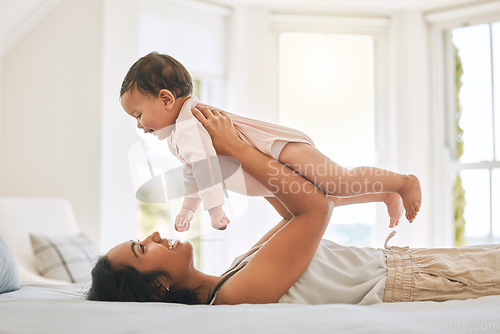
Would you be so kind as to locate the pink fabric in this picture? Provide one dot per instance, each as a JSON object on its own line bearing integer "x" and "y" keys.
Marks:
{"x": 262, "y": 135}
{"x": 190, "y": 143}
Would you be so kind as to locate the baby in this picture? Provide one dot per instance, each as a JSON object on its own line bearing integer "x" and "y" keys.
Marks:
{"x": 157, "y": 91}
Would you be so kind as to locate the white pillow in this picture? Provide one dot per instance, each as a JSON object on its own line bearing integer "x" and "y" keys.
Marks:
{"x": 65, "y": 258}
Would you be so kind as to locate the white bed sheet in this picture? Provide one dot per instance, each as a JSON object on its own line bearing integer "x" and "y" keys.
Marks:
{"x": 51, "y": 308}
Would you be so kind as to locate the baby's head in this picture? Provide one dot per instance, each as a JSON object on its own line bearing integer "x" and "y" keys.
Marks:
{"x": 154, "y": 72}
{"x": 154, "y": 84}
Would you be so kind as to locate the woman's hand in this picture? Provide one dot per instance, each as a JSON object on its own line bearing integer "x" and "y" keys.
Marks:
{"x": 224, "y": 136}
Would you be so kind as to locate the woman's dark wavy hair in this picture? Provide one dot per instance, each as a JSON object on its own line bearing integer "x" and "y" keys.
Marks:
{"x": 129, "y": 285}
{"x": 155, "y": 72}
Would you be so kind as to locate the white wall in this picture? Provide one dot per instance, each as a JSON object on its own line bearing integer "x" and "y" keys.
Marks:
{"x": 1, "y": 116}
{"x": 252, "y": 78}
{"x": 50, "y": 130}
{"x": 411, "y": 108}
{"x": 194, "y": 35}
{"x": 118, "y": 218}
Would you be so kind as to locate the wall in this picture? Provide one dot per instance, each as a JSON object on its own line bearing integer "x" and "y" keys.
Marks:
{"x": 193, "y": 33}
{"x": 118, "y": 217}
{"x": 50, "y": 131}
{"x": 411, "y": 109}
{"x": 252, "y": 78}
{"x": 1, "y": 117}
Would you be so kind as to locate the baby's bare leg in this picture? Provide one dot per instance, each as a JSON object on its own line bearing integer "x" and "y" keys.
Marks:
{"x": 336, "y": 180}
{"x": 392, "y": 201}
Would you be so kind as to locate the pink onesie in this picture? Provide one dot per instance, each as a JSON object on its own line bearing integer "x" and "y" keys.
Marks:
{"x": 205, "y": 175}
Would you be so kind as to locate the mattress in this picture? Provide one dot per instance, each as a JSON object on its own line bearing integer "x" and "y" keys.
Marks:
{"x": 53, "y": 308}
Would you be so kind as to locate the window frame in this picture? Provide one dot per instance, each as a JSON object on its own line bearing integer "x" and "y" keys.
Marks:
{"x": 443, "y": 108}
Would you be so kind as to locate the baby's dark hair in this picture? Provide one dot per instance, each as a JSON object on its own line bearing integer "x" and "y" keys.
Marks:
{"x": 129, "y": 285}
{"x": 155, "y": 72}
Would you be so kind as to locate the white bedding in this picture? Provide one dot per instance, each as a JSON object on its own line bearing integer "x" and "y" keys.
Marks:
{"x": 51, "y": 308}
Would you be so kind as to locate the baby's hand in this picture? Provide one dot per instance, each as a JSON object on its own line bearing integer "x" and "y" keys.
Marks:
{"x": 218, "y": 218}
{"x": 183, "y": 220}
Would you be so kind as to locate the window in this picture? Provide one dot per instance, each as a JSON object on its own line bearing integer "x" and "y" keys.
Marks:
{"x": 475, "y": 115}
{"x": 334, "y": 76}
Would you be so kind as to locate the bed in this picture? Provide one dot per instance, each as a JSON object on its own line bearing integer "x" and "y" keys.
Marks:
{"x": 43, "y": 305}
{"x": 60, "y": 308}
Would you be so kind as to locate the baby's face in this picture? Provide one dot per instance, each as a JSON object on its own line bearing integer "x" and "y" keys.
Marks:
{"x": 151, "y": 112}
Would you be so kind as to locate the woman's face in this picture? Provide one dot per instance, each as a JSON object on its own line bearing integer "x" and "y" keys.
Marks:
{"x": 154, "y": 255}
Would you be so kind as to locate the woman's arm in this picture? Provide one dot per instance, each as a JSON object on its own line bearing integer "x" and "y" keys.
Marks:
{"x": 283, "y": 259}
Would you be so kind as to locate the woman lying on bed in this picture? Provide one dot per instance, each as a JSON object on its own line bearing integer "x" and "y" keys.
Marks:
{"x": 290, "y": 263}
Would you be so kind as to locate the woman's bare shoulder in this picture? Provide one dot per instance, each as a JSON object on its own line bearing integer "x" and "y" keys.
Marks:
{"x": 237, "y": 290}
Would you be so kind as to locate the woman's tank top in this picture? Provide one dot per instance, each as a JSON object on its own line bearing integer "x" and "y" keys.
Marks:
{"x": 336, "y": 274}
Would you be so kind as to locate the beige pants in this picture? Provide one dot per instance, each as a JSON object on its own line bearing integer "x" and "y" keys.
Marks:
{"x": 441, "y": 274}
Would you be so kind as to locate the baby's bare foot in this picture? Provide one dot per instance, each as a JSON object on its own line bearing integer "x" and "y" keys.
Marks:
{"x": 412, "y": 196}
{"x": 394, "y": 208}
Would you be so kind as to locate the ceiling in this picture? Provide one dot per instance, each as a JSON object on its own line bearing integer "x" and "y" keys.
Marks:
{"x": 18, "y": 16}
{"x": 13, "y": 12}
{"x": 391, "y": 5}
